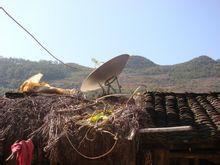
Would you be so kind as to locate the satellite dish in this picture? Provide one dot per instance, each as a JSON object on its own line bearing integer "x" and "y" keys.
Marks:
{"x": 105, "y": 75}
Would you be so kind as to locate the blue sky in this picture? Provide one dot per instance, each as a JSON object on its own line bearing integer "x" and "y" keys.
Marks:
{"x": 166, "y": 32}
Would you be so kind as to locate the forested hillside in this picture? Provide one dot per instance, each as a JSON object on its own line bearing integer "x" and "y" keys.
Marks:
{"x": 198, "y": 74}
{"x": 14, "y": 71}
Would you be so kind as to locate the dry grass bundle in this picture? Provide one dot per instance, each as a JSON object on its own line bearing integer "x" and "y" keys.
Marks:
{"x": 71, "y": 127}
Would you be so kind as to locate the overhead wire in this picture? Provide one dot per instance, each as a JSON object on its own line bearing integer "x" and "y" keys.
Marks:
{"x": 33, "y": 37}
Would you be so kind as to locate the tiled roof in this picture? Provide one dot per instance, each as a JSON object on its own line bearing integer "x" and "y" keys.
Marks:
{"x": 199, "y": 110}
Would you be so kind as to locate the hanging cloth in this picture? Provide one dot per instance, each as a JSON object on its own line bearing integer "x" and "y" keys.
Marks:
{"x": 24, "y": 150}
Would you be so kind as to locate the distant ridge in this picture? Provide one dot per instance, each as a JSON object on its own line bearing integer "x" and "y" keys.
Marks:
{"x": 139, "y": 62}
{"x": 200, "y": 74}
{"x": 202, "y": 60}
{"x": 199, "y": 67}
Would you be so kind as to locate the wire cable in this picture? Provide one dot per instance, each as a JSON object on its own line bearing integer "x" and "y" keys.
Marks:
{"x": 33, "y": 37}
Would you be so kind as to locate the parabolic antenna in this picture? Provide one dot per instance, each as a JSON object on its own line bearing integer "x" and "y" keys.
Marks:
{"x": 105, "y": 75}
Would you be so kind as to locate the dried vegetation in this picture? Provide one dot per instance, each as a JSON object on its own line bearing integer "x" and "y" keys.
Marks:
{"x": 71, "y": 125}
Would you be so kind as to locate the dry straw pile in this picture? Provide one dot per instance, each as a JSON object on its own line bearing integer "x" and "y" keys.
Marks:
{"x": 69, "y": 128}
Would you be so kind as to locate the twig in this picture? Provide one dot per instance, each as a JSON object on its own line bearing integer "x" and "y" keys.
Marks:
{"x": 106, "y": 96}
{"x": 84, "y": 137}
{"x": 135, "y": 91}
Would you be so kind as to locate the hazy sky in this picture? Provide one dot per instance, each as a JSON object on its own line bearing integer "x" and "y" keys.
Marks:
{"x": 164, "y": 31}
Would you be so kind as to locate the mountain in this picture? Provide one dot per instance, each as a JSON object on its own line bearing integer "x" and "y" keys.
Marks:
{"x": 218, "y": 60}
{"x": 202, "y": 66}
{"x": 199, "y": 74}
{"x": 14, "y": 71}
{"x": 202, "y": 60}
{"x": 139, "y": 62}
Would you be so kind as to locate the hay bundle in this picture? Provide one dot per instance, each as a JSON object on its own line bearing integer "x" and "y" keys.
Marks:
{"x": 71, "y": 128}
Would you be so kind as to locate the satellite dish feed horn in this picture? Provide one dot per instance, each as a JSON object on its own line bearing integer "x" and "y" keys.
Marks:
{"x": 105, "y": 75}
